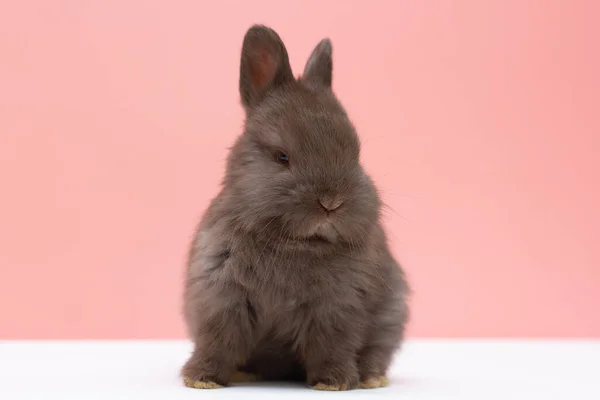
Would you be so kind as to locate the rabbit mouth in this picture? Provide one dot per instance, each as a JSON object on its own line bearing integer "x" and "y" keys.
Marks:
{"x": 313, "y": 240}
{"x": 324, "y": 232}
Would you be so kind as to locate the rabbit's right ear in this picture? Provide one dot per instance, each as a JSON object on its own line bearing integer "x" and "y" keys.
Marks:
{"x": 264, "y": 64}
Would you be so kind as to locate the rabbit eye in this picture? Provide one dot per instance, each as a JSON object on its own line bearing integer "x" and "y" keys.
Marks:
{"x": 282, "y": 157}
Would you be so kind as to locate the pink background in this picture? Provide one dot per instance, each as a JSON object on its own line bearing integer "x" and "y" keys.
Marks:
{"x": 479, "y": 120}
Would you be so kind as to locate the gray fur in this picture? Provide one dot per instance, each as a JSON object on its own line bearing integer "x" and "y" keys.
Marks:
{"x": 277, "y": 285}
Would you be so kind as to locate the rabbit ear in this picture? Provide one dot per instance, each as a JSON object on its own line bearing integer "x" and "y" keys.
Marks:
{"x": 264, "y": 64}
{"x": 319, "y": 66}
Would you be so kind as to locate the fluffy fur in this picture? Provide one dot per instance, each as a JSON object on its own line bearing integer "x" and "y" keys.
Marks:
{"x": 289, "y": 275}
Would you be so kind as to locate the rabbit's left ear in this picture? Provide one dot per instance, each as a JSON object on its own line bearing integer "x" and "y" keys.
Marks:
{"x": 319, "y": 66}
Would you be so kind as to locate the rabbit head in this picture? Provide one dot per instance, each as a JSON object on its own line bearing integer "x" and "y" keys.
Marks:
{"x": 296, "y": 167}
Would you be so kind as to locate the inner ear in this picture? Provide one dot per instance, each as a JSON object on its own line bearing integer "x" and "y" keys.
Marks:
{"x": 264, "y": 64}
{"x": 262, "y": 68}
{"x": 319, "y": 67}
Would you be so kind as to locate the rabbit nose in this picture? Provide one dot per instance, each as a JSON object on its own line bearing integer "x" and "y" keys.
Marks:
{"x": 330, "y": 204}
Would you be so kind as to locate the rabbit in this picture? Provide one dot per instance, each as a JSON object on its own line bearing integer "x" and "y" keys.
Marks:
{"x": 289, "y": 274}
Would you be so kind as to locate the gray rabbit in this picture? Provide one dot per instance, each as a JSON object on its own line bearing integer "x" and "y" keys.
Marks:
{"x": 289, "y": 275}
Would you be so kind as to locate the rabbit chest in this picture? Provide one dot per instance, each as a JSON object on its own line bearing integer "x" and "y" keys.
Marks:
{"x": 288, "y": 286}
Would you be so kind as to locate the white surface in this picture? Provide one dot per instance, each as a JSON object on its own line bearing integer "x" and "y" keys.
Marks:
{"x": 478, "y": 370}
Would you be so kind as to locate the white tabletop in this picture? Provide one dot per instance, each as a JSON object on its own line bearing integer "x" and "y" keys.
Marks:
{"x": 478, "y": 370}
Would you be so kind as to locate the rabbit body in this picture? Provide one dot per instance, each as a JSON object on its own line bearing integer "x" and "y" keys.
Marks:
{"x": 289, "y": 275}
